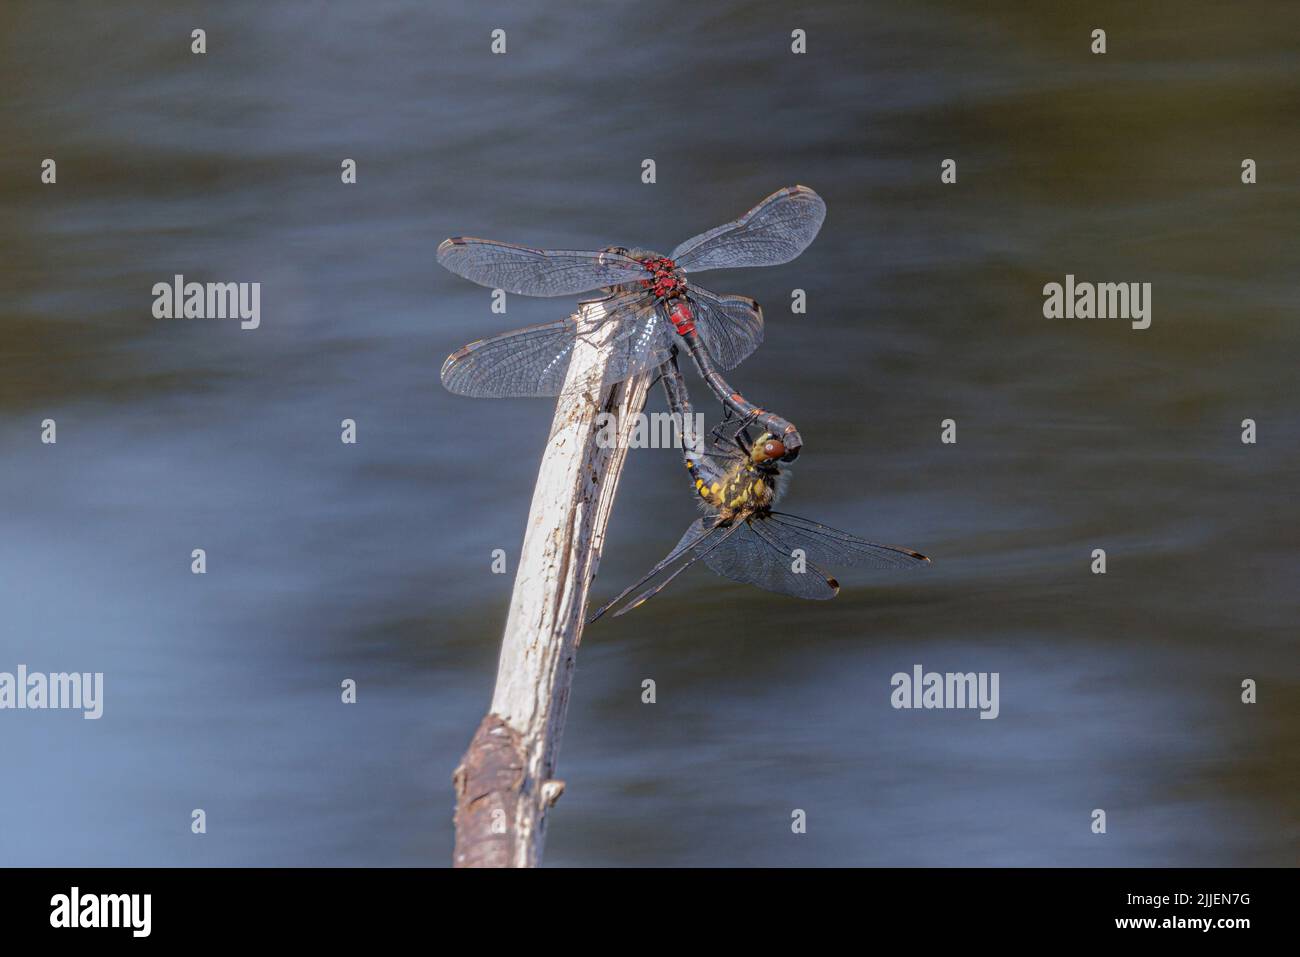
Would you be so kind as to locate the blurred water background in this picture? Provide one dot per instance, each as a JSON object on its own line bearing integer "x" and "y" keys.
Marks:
{"x": 371, "y": 561}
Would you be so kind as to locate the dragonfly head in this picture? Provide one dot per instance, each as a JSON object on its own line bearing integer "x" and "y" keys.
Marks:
{"x": 768, "y": 450}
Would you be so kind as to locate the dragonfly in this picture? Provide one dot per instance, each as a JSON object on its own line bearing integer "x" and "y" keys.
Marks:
{"x": 653, "y": 304}
{"x": 741, "y": 536}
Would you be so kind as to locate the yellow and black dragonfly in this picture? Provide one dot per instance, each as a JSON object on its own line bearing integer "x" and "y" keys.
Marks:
{"x": 741, "y": 536}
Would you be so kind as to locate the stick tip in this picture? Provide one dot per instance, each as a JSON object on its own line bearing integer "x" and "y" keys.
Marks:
{"x": 551, "y": 791}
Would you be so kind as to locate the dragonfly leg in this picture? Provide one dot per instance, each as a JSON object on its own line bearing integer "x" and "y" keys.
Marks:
{"x": 717, "y": 433}
{"x": 743, "y": 430}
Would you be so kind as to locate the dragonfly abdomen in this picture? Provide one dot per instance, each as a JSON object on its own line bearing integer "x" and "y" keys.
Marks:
{"x": 680, "y": 315}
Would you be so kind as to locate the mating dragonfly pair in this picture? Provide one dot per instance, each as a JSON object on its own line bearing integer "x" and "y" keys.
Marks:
{"x": 652, "y": 309}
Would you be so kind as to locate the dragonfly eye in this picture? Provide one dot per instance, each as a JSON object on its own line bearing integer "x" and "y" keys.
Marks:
{"x": 771, "y": 449}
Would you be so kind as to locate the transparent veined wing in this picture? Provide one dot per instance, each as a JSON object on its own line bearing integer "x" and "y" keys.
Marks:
{"x": 698, "y": 531}
{"x": 534, "y": 361}
{"x": 731, "y": 326}
{"x": 830, "y": 546}
{"x": 754, "y": 558}
{"x": 714, "y": 538}
{"x": 775, "y": 231}
{"x": 642, "y": 341}
{"x": 695, "y": 534}
{"x": 536, "y": 272}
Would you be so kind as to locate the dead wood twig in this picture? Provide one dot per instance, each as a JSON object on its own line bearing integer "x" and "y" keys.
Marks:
{"x": 506, "y": 783}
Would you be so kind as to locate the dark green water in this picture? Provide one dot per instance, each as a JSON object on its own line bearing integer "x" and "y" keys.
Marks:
{"x": 371, "y": 562}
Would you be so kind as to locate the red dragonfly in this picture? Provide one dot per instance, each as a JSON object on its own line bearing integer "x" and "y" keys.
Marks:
{"x": 651, "y": 304}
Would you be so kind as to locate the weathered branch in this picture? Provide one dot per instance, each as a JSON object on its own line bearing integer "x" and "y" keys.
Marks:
{"x": 505, "y": 783}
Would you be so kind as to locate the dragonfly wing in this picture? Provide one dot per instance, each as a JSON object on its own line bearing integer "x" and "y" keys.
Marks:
{"x": 775, "y": 231}
{"x": 715, "y": 538}
{"x": 830, "y": 546}
{"x": 696, "y": 533}
{"x": 536, "y": 272}
{"x": 731, "y": 326}
{"x": 641, "y": 341}
{"x": 748, "y": 557}
{"x": 526, "y": 362}
{"x": 534, "y": 361}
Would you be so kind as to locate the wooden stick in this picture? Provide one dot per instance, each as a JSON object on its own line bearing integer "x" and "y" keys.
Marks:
{"x": 505, "y": 783}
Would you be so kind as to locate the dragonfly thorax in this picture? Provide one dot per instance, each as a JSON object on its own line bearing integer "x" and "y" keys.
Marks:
{"x": 666, "y": 280}
{"x": 743, "y": 491}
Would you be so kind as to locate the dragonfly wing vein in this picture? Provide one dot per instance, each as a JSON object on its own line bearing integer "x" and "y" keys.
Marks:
{"x": 534, "y": 361}
{"x": 730, "y": 326}
{"x": 830, "y": 546}
{"x": 526, "y": 362}
{"x": 748, "y": 558}
{"x": 774, "y": 232}
{"x": 536, "y": 272}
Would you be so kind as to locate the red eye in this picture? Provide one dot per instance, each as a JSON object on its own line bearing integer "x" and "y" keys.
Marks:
{"x": 773, "y": 450}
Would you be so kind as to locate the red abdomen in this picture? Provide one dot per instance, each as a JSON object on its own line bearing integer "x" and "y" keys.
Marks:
{"x": 683, "y": 320}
